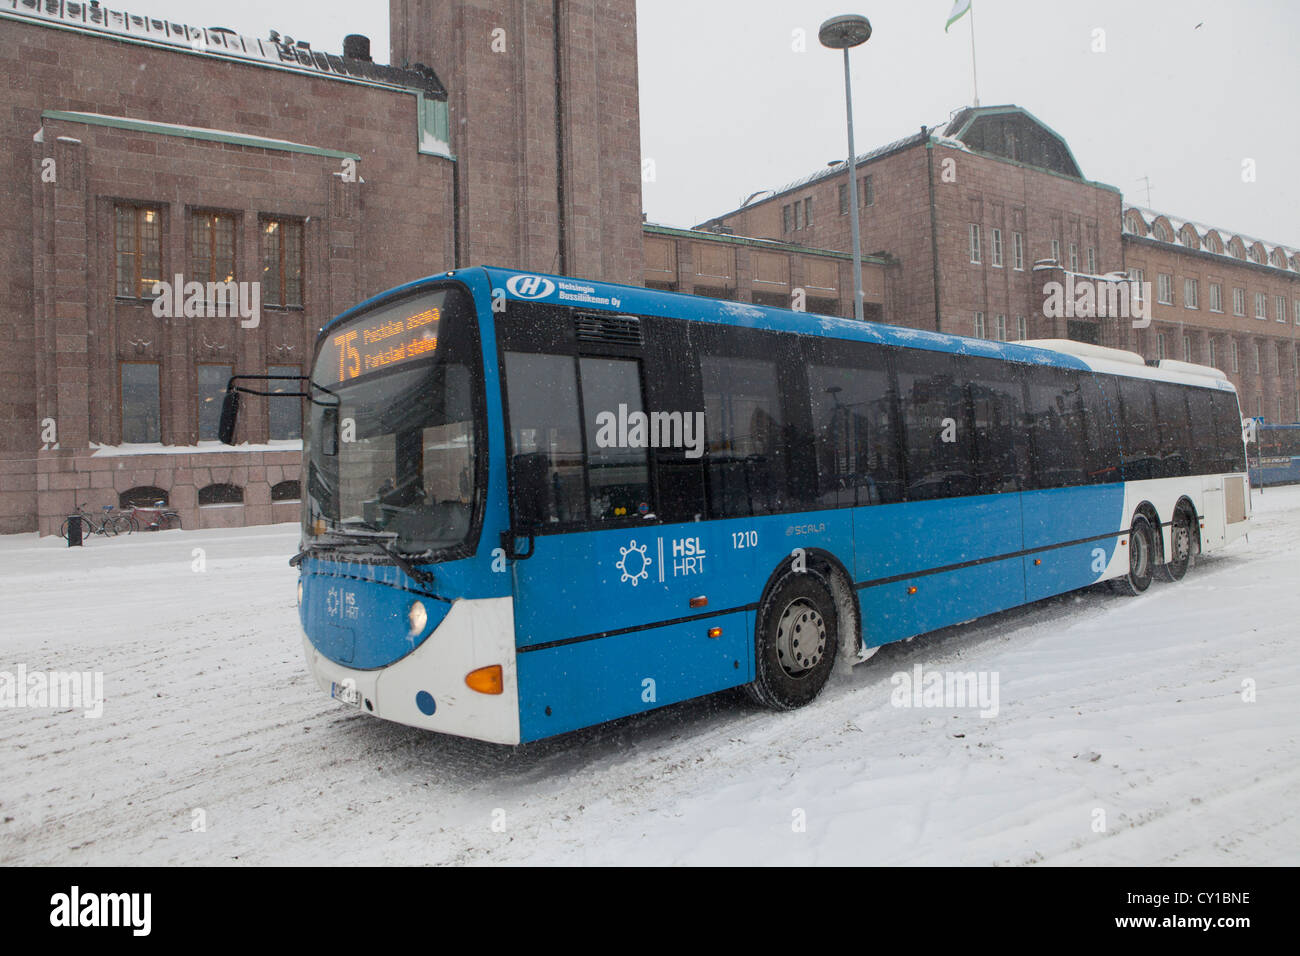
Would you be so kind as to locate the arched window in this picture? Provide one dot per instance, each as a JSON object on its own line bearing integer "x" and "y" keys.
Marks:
{"x": 1133, "y": 222}
{"x": 219, "y": 494}
{"x": 142, "y": 496}
{"x": 1162, "y": 232}
{"x": 286, "y": 491}
{"x": 1278, "y": 259}
{"x": 1212, "y": 244}
{"x": 1257, "y": 253}
{"x": 1189, "y": 238}
{"x": 1238, "y": 248}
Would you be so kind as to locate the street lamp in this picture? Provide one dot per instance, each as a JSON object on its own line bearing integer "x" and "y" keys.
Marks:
{"x": 844, "y": 33}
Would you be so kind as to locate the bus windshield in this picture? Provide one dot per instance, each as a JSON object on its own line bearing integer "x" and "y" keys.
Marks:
{"x": 393, "y": 450}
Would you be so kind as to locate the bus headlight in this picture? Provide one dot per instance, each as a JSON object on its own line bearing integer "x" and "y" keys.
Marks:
{"x": 418, "y": 618}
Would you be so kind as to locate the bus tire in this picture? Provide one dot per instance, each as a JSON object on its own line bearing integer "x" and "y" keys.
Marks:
{"x": 795, "y": 644}
{"x": 1180, "y": 548}
{"x": 1141, "y": 555}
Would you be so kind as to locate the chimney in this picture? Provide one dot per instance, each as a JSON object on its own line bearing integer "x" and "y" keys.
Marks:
{"x": 356, "y": 47}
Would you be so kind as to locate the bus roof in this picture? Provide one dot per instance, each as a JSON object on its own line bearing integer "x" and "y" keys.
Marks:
{"x": 614, "y": 297}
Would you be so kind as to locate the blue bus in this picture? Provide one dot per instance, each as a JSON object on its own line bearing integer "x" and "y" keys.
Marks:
{"x": 1276, "y": 457}
{"x": 535, "y": 503}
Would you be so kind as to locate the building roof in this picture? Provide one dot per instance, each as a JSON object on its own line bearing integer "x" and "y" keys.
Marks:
{"x": 277, "y": 52}
{"x": 1225, "y": 238}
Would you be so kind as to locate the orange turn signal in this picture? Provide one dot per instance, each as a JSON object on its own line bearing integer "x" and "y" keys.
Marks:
{"x": 715, "y": 632}
{"x": 701, "y": 601}
{"x": 486, "y": 680}
{"x": 1037, "y": 561}
{"x": 911, "y": 589}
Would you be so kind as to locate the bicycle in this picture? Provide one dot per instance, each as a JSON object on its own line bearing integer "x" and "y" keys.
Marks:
{"x": 106, "y": 525}
{"x": 161, "y": 518}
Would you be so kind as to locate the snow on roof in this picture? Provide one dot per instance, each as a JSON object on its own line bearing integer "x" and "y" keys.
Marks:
{"x": 1225, "y": 237}
{"x": 281, "y": 53}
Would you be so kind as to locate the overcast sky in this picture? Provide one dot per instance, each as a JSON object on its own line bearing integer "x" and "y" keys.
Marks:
{"x": 1185, "y": 91}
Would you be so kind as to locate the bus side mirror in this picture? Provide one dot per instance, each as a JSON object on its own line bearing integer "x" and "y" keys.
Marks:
{"x": 528, "y": 475}
{"x": 229, "y": 415}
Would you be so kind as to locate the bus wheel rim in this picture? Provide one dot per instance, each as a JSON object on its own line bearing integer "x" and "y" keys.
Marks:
{"x": 800, "y": 638}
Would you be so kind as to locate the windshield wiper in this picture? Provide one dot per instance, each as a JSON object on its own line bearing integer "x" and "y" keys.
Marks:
{"x": 381, "y": 540}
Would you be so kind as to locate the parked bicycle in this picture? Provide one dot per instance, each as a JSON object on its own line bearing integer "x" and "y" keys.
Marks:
{"x": 157, "y": 518}
{"x": 105, "y": 524}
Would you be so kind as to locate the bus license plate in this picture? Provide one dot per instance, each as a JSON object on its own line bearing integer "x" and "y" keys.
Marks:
{"x": 346, "y": 692}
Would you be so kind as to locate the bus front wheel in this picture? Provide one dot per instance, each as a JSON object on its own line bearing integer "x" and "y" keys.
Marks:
{"x": 1141, "y": 552}
{"x": 795, "y": 644}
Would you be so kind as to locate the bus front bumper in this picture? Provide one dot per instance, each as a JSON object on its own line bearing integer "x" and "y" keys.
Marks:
{"x": 427, "y": 688}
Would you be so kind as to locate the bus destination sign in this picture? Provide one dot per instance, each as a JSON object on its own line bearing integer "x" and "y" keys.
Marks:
{"x": 387, "y": 340}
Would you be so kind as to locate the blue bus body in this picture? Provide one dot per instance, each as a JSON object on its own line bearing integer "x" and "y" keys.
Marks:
{"x": 601, "y": 622}
{"x": 1275, "y": 459}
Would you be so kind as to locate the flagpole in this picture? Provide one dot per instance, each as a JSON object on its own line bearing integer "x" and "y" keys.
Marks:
{"x": 974, "y": 75}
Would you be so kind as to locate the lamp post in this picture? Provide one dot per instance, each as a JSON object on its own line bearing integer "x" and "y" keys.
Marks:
{"x": 844, "y": 33}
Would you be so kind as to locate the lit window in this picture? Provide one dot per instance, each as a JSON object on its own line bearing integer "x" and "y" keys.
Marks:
{"x": 282, "y": 257}
{"x": 138, "y": 248}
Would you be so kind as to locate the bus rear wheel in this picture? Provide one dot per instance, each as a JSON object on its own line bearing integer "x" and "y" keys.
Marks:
{"x": 1141, "y": 549}
{"x": 795, "y": 644}
{"x": 1180, "y": 547}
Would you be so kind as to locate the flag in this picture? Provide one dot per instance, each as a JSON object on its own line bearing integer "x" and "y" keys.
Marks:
{"x": 959, "y": 9}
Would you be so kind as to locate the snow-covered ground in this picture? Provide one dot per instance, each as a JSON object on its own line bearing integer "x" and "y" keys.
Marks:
{"x": 1122, "y": 735}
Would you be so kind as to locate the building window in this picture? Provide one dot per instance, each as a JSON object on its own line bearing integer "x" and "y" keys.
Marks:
{"x": 141, "y": 419}
{"x": 1000, "y": 328}
{"x": 807, "y": 211}
{"x": 997, "y": 248}
{"x": 1092, "y": 261}
{"x": 212, "y": 381}
{"x": 1056, "y": 251}
{"x": 1279, "y": 305}
{"x": 1165, "y": 288}
{"x": 844, "y": 200}
{"x": 285, "y": 413}
{"x": 1161, "y": 232}
{"x": 1238, "y": 301}
{"x": 1160, "y": 346}
{"x": 1022, "y": 328}
{"x": 1258, "y": 367}
{"x": 1187, "y": 348}
{"x": 1191, "y": 294}
{"x": 1017, "y": 251}
{"x": 974, "y": 242}
{"x": 137, "y": 236}
{"x": 979, "y": 325}
{"x": 1295, "y": 310}
{"x": 1214, "y": 355}
{"x": 212, "y": 247}
{"x": 868, "y": 191}
{"x": 1074, "y": 257}
{"x": 1216, "y": 297}
{"x": 220, "y": 494}
{"x": 1261, "y": 306}
{"x": 1136, "y": 278}
{"x": 787, "y": 218}
{"x": 798, "y": 215}
{"x": 282, "y": 262}
{"x": 1256, "y": 255}
{"x": 1236, "y": 358}
{"x": 288, "y": 490}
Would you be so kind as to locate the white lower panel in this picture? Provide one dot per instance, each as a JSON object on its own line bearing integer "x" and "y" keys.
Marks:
{"x": 474, "y": 634}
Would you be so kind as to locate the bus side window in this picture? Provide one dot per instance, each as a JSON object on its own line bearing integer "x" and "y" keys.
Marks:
{"x": 1056, "y": 428}
{"x": 618, "y": 435}
{"x": 853, "y": 432}
{"x": 545, "y": 440}
{"x": 1227, "y": 427}
{"x": 1202, "y": 449}
{"x": 1175, "y": 433}
{"x": 1101, "y": 428}
{"x": 745, "y": 451}
{"x": 1001, "y": 444}
{"x": 1141, "y": 430}
{"x": 936, "y": 427}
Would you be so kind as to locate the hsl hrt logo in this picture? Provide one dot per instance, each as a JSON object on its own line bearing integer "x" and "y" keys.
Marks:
{"x": 530, "y": 287}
